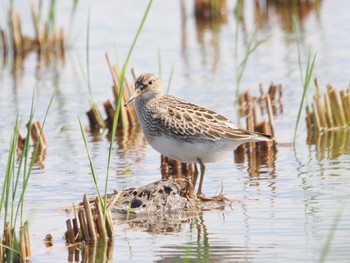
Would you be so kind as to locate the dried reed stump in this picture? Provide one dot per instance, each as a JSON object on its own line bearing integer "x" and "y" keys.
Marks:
{"x": 248, "y": 102}
{"x": 331, "y": 112}
{"x": 127, "y": 115}
{"x": 89, "y": 225}
{"x": 208, "y": 10}
{"x": 47, "y": 40}
{"x": 109, "y": 112}
{"x": 96, "y": 121}
{"x": 38, "y": 135}
{"x": 9, "y": 239}
{"x": 259, "y": 153}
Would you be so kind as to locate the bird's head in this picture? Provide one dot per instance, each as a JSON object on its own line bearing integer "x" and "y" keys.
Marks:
{"x": 146, "y": 85}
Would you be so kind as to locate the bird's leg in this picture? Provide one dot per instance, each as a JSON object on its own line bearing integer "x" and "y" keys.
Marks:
{"x": 195, "y": 176}
{"x": 199, "y": 191}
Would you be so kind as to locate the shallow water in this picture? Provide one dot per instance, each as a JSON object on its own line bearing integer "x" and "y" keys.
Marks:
{"x": 285, "y": 209}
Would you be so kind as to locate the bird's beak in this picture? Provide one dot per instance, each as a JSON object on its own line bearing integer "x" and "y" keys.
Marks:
{"x": 132, "y": 97}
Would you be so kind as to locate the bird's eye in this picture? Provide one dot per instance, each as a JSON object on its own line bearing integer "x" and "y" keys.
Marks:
{"x": 150, "y": 82}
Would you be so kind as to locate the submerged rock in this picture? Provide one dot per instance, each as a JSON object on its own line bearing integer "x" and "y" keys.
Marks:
{"x": 161, "y": 206}
{"x": 160, "y": 196}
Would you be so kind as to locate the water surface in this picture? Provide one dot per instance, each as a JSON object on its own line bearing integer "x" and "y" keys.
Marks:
{"x": 284, "y": 212}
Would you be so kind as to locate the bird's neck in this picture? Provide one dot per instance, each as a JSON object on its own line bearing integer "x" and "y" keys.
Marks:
{"x": 150, "y": 96}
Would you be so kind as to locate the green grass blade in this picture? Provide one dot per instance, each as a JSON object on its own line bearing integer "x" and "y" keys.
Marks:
{"x": 308, "y": 74}
{"x": 128, "y": 211}
{"x": 52, "y": 16}
{"x": 25, "y": 154}
{"x": 84, "y": 75}
{"x": 88, "y": 57}
{"x": 9, "y": 248}
{"x": 159, "y": 64}
{"x": 92, "y": 168}
{"x": 252, "y": 46}
{"x": 6, "y": 187}
{"x": 24, "y": 150}
{"x": 72, "y": 15}
{"x": 12, "y": 199}
{"x": 296, "y": 30}
{"x": 328, "y": 243}
{"x": 238, "y": 11}
{"x": 27, "y": 174}
{"x": 170, "y": 77}
{"x": 117, "y": 111}
{"x": 309, "y": 71}
{"x": 16, "y": 179}
{"x": 23, "y": 163}
{"x": 40, "y": 9}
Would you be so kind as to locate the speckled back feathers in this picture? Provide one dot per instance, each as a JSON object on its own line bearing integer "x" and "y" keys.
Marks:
{"x": 167, "y": 115}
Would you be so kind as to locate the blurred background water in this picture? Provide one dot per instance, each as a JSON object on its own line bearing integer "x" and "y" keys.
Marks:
{"x": 283, "y": 213}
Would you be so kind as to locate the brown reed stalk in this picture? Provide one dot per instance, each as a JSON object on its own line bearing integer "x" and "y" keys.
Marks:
{"x": 61, "y": 41}
{"x": 22, "y": 244}
{"x": 21, "y": 141}
{"x": 272, "y": 91}
{"x": 109, "y": 112}
{"x": 275, "y": 92}
{"x": 270, "y": 115}
{"x": 127, "y": 114}
{"x": 16, "y": 31}
{"x": 127, "y": 92}
{"x": 322, "y": 112}
{"x": 333, "y": 112}
{"x": 83, "y": 225}
{"x": 262, "y": 151}
{"x": 346, "y": 104}
{"x": 280, "y": 97}
{"x": 317, "y": 118}
{"x": 109, "y": 225}
{"x": 27, "y": 239}
{"x": 37, "y": 133}
{"x": 1, "y": 249}
{"x": 123, "y": 114}
{"x": 115, "y": 199}
{"x": 337, "y": 106}
{"x": 209, "y": 10}
{"x": 36, "y": 23}
{"x": 43, "y": 40}
{"x": 308, "y": 118}
{"x": 95, "y": 119}
{"x": 70, "y": 235}
{"x": 328, "y": 111}
{"x": 250, "y": 123}
{"x": 93, "y": 223}
{"x": 134, "y": 73}
{"x": 100, "y": 220}
{"x": 89, "y": 218}
{"x": 24, "y": 250}
{"x": 3, "y": 41}
{"x": 7, "y": 235}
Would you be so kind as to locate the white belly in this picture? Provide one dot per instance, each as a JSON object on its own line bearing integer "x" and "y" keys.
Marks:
{"x": 206, "y": 151}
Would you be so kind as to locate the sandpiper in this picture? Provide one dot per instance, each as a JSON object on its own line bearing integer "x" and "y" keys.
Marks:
{"x": 185, "y": 131}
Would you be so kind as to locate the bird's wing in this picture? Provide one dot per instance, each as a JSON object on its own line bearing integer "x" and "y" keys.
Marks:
{"x": 187, "y": 120}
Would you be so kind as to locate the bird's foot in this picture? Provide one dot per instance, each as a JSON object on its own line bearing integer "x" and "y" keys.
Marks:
{"x": 218, "y": 197}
